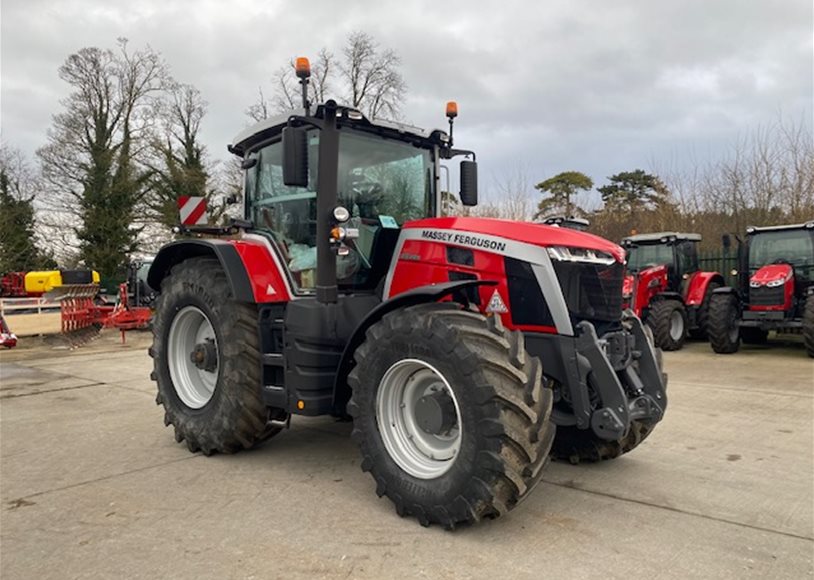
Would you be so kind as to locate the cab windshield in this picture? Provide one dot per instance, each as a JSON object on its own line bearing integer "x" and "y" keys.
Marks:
{"x": 645, "y": 256}
{"x": 383, "y": 183}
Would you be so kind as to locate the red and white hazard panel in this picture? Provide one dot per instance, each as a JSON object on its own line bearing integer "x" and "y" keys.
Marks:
{"x": 192, "y": 210}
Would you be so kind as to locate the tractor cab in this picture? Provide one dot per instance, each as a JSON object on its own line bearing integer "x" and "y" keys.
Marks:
{"x": 386, "y": 176}
{"x": 779, "y": 263}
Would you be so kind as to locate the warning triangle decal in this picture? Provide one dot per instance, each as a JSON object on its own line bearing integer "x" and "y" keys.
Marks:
{"x": 496, "y": 304}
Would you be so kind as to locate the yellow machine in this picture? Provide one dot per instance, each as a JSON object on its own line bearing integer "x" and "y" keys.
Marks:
{"x": 37, "y": 283}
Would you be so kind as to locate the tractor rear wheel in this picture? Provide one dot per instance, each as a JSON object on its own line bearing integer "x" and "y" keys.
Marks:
{"x": 702, "y": 315}
{"x": 668, "y": 319}
{"x": 808, "y": 325}
{"x": 206, "y": 361}
{"x": 450, "y": 414}
{"x": 724, "y": 333}
{"x": 752, "y": 335}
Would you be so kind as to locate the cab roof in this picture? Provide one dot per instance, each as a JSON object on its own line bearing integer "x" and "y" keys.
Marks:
{"x": 660, "y": 238}
{"x": 260, "y": 130}
{"x": 757, "y": 229}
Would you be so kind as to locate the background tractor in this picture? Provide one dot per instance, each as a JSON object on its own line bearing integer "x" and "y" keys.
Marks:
{"x": 775, "y": 289}
{"x": 666, "y": 288}
{"x": 454, "y": 344}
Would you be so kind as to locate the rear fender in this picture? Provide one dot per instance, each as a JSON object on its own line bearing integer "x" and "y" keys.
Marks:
{"x": 420, "y": 295}
{"x": 251, "y": 267}
{"x": 667, "y": 296}
{"x": 699, "y": 283}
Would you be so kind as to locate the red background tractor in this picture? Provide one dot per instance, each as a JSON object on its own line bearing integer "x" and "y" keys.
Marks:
{"x": 775, "y": 289}
{"x": 666, "y": 288}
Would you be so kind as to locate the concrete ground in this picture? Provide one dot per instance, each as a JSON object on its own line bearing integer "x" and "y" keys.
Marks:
{"x": 92, "y": 485}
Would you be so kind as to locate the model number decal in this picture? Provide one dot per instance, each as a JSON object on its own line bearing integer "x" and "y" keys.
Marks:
{"x": 464, "y": 240}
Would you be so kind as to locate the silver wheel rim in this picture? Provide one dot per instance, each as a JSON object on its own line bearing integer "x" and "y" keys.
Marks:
{"x": 419, "y": 453}
{"x": 676, "y": 325}
{"x": 193, "y": 385}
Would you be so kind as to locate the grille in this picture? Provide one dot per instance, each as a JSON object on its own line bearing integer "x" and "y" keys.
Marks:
{"x": 592, "y": 292}
{"x": 765, "y": 296}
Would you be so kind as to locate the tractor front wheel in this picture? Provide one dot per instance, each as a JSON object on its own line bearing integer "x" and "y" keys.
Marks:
{"x": 206, "y": 359}
{"x": 668, "y": 319}
{"x": 450, "y": 414}
{"x": 723, "y": 329}
{"x": 808, "y": 325}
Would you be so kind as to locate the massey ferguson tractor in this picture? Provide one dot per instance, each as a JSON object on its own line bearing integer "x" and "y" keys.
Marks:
{"x": 665, "y": 287}
{"x": 455, "y": 345}
{"x": 775, "y": 289}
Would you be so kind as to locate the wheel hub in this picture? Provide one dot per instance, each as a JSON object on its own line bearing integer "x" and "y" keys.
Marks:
{"x": 205, "y": 356}
{"x": 435, "y": 413}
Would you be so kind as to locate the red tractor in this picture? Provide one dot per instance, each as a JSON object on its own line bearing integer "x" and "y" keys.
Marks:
{"x": 666, "y": 288}
{"x": 455, "y": 345}
{"x": 775, "y": 289}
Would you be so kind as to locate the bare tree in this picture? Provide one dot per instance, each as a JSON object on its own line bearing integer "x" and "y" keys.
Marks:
{"x": 509, "y": 197}
{"x": 92, "y": 163}
{"x": 367, "y": 76}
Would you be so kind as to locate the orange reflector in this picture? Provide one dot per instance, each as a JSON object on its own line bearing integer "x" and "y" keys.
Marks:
{"x": 452, "y": 109}
{"x": 303, "y": 67}
{"x": 336, "y": 233}
{"x": 301, "y": 405}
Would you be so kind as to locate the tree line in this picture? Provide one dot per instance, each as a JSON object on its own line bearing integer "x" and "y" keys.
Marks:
{"x": 766, "y": 177}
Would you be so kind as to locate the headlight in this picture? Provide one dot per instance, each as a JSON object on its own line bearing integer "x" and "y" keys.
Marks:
{"x": 776, "y": 283}
{"x": 341, "y": 214}
{"x": 564, "y": 254}
{"x": 754, "y": 284}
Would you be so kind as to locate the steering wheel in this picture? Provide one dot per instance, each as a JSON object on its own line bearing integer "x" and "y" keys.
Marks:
{"x": 348, "y": 265}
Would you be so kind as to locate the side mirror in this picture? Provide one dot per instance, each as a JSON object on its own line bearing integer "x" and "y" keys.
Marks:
{"x": 295, "y": 156}
{"x": 469, "y": 183}
{"x": 726, "y": 241}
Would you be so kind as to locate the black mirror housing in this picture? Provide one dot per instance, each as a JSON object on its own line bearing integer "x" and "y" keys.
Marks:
{"x": 469, "y": 183}
{"x": 295, "y": 156}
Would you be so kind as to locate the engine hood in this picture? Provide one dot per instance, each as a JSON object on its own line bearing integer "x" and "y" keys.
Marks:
{"x": 530, "y": 233}
{"x": 771, "y": 273}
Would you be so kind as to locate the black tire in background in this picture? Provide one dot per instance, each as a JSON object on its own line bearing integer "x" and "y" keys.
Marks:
{"x": 505, "y": 432}
{"x": 808, "y": 325}
{"x": 702, "y": 316}
{"x": 584, "y": 446}
{"x": 724, "y": 333}
{"x": 752, "y": 335}
{"x": 235, "y": 417}
{"x": 661, "y": 320}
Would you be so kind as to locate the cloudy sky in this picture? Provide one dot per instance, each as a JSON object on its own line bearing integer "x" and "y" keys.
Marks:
{"x": 546, "y": 87}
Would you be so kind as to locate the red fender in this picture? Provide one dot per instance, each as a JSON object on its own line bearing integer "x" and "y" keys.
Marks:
{"x": 698, "y": 285}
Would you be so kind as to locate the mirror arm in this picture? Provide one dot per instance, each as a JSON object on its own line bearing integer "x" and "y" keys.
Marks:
{"x": 449, "y": 153}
